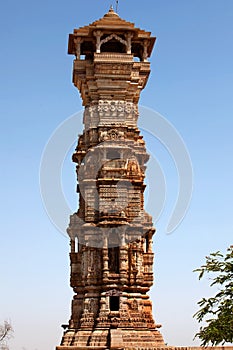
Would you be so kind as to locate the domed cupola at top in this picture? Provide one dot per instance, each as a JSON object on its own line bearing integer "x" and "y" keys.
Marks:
{"x": 110, "y": 48}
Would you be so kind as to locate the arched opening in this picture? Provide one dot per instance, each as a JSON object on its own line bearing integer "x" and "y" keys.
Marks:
{"x": 113, "y": 46}
{"x": 87, "y": 50}
{"x": 113, "y": 43}
{"x": 137, "y": 51}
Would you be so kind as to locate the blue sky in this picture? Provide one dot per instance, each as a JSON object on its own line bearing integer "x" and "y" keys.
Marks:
{"x": 191, "y": 85}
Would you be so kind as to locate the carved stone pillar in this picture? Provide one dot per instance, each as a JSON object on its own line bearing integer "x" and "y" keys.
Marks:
{"x": 98, "y": 34}
{"x": 78, "y": 47}
{"x": 128, "y": 37}
{"x": 145, "y": 52}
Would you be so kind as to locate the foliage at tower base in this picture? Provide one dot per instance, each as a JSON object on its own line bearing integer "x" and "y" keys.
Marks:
{"x": 217, "y": 311}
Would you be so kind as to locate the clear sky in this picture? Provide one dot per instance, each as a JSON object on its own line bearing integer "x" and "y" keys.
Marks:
{"x": 191, "y": 85}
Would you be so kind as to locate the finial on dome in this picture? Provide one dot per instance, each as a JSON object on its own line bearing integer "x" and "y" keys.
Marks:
{"x": 111, "y": 13}
{"x": 112, "y": 9}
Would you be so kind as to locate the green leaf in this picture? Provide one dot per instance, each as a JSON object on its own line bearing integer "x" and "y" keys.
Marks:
{"x": 219, "y": 327}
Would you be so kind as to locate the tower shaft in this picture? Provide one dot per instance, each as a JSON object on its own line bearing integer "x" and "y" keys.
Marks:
{"x": 111, "y": 234}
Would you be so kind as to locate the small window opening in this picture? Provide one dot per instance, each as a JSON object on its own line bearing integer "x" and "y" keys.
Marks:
{"x": 114, "y": 303}
{"x": 147, "y": 244}
{"x": 113, "y": 259}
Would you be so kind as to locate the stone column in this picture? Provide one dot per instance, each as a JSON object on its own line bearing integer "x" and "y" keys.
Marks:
{"x": 145, "y": 53}
{"x": 150, "y": 243}
{"x": 72, "y": 244}
{"x": 78, "y": 48}
{"x": 105, "y": 258}
{"x": 128, "y": 37}
{"x": 97, "y": 34}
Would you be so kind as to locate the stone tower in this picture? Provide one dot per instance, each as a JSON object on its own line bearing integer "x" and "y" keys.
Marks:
{"x": 111, "y": 234}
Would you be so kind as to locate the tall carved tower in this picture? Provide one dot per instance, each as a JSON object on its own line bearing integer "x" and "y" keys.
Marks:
{"x": 111, "y": 234}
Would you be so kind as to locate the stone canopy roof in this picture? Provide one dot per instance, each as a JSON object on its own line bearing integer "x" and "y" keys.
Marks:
{"x": 111, "y": 22}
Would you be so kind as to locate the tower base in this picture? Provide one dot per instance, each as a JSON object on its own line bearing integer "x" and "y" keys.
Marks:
{"x": 145, "y": 348}
{"x": 114, "y": 339}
